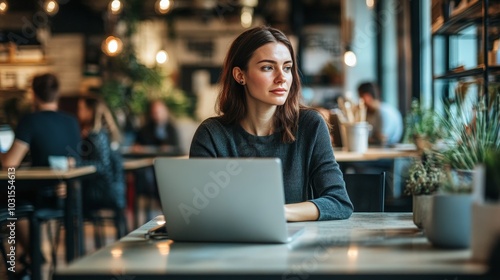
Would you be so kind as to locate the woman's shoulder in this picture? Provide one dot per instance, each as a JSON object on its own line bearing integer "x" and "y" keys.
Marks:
{"x": 213, "y": 123}
{"x": 310, "y": 116}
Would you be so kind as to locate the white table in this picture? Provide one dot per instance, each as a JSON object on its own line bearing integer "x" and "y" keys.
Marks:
{"x": 368, "y": 245}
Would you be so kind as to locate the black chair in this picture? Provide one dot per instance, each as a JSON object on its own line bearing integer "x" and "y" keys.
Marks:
{"x": 24, "y": 211}
{"x": 366, "y": 191}
{"x": 100, "y": 217}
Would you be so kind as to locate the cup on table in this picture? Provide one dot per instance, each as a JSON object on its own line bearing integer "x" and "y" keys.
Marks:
{"x": 356, "y": 136}
{"x": 59, "y": 162}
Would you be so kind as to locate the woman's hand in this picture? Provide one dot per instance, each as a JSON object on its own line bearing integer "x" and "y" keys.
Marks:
{"x": 302, "y": 211}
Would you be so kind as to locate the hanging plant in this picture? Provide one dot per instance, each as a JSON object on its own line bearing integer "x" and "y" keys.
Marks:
{"x": 129, "y": 85}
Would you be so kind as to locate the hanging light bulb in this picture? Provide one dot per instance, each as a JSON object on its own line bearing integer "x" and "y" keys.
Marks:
{"x": 115, "y": 7}
{"x": 370, "y": 3}
{"x": 51, "y": 7}
{"x": 246, "y": 17}
{"x": 4, "y": 6}
{"x": 161, "y": 57}
{"x": 112, "y": 46}
{"x": 163, "y": 6}
{"x": 350, "y": 58}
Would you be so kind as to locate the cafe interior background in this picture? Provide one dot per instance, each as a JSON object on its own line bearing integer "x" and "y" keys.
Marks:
{"x": 132, "y": 51}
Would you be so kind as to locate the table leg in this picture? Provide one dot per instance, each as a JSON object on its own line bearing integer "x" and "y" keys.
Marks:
{"x": 69, "y": 225}
{"x": 36, "y": 254}
{"x": 74, "y": 221}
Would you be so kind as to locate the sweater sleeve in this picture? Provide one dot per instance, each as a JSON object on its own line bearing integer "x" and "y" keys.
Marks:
{"x": 329, "y": 192}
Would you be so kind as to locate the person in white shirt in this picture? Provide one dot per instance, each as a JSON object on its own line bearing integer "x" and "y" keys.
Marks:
{"x": 386, "y": 121}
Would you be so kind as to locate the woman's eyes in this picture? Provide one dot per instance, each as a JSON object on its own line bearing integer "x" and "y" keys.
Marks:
{"x": 270, "y": 68}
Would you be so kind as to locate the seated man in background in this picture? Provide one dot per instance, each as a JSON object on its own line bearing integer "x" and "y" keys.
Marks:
{"x": 160, "y": 134}
{"x": 47, "y": 132}
{"x": 159, "y": 131}
{"x": 386, "y": 121}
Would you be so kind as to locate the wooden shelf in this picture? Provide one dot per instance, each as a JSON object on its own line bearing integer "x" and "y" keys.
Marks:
{"x": 25, "y": 63}
{"x": 465, "y": 17}
{"x": 493, "y": 69}
{"x": 12, "y": 90}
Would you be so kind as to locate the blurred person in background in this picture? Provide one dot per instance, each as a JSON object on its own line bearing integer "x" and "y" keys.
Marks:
{"x": 46, "y": 132}
{"x": 386, "y": 121}
{"x": 159, "y": 134}
{"x": 159, "y": 130}
{"x": 105, "y": 190}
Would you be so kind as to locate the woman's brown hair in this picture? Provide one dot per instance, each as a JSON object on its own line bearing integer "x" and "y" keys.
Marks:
{"x": 231, "y": 102}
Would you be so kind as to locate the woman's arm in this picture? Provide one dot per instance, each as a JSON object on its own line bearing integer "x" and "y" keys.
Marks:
{"x": 328, "y": 186}
{"x": 15, "y": 155}
{"x": 302, "y": 211}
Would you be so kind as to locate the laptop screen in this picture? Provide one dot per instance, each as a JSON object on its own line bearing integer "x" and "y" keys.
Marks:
{"x": 6, "y": 138}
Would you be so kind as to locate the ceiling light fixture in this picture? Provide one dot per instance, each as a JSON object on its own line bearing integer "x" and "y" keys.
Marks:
{"x": 112, "y": 46}
{"x": 161, "y": 57}
{"x": 370, "y": 3}
{"x": 4, "y": 6}
{"x": 246, "y": 17}
{"x": 51, "y": 7}
{"x": 115, "y": 7}
{"x": 350, "y": 58}
{"x": 164, "y": 6}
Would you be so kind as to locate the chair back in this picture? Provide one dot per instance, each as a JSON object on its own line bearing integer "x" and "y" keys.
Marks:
{"x": 366, "y": 191}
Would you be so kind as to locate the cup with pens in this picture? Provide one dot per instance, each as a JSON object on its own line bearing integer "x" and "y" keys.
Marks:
{"x": 355, "y": 130}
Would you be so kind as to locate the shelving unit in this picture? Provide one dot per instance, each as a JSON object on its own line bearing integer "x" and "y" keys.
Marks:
{"x": 481, "y": 15}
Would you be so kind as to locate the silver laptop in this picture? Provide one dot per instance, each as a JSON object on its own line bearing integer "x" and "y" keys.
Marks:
{"x": 223, "y": 200}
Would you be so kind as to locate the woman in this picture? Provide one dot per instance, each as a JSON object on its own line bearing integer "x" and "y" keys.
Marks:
{"x": 260, "y": 116}
{"x": 107, "y": 188}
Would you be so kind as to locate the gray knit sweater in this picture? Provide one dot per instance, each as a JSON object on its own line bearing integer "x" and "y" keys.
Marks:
{"x": 310, "y": 172}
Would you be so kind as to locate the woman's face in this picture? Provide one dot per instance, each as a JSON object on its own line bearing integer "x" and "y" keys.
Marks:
{"x": 268, "y": 77}
{"x": 84, "y": 112}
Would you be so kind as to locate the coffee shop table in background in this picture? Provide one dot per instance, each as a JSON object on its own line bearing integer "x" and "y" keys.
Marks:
{"x": 374, "y": 154}
{"x": 392, "y": 160}
{"x": 73, "y": 220}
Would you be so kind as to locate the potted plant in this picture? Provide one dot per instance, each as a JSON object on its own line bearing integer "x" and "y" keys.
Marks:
{"x": 485, "y": 231}
{"x": 471, "y": 136}
{"x": 425, "y": 177}
{"x": 422, "y": 127}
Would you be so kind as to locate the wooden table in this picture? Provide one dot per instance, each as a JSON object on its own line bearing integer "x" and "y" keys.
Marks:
{"x": 373, "y": 154}
{"x": 73, "y": 220}
{"x": 135, "y": 164}
{"x": 366, "y": 246}
{"x": 147, "y": 152}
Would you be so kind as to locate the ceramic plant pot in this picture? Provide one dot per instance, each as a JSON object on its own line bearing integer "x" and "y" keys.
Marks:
{"x": 449, "y": 222}
{"x": 485, "y": 229}
{"x": 421, "y": 206}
